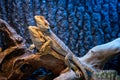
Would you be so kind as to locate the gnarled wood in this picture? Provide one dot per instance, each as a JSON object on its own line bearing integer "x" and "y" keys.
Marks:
{"x": 17, "y": 62}
{"x": 96, "y": 57}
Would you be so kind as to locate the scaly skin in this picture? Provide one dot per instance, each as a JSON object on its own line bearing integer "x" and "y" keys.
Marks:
{"x": 44, "y": 46}
{"x": 41, "y": 42}
{"x": 60, "y": 47}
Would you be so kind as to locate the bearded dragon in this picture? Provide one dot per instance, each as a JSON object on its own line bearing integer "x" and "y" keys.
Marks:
{"x": 58, "y": 46}
{"x": 44, "y": 45}
{"x": 41, "y": 43}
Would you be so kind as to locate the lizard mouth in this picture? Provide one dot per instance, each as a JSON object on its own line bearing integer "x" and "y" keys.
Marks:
{"x": 41, "y": 22}
{"x": 36, "y": 16}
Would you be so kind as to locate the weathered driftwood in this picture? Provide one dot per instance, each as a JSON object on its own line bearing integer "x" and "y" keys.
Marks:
{"x": 93, "y": 61}
{"x": 70, "y": 75}
{"x": 99, "y": 55}
{"x": 96, "y": 57}
{"x": 11, "y": 38}
{"x": 17, "y": 62}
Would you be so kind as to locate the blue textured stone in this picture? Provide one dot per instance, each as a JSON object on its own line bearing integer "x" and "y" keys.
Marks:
{"x": 105, "y": 15}
{"x": 106, "y": 1}
{"x": 76, "y": 2}
{"x": 64, "y": 24}
{"x": 88, "y": 6}
{"x": 118, "y": 35}
{"x": 116, "y": 28}
{"x": 79, "y": 15}
{"x": 114, "y": 1}
{"x": 97, "y": 8}
{"x": 81, "y": 35}
{"x": 98, "y": 1}
{"x": 96, "y": 17}
{"x": 113, "y": 34}
{"x": 113, "y": 13}
{"x": 108, "y": 29}
{"x": 61, "y": 3}
{"x": 80, "y": 23}
{"x": 81, "y": 9}
{"x": 70, "y": 8}
{"x": 86, "y": 16}
{"x": 89, "y": 9}
{"x": 105, "y": 9}
{"x": 118, "y": 7}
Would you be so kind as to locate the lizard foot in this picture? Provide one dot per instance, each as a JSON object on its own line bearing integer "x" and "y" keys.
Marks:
{"x": 78, "y": 73}
{"x": 65, "y": 70}
{"x": 43, "y": 48}
{"x": 68, "y": 57}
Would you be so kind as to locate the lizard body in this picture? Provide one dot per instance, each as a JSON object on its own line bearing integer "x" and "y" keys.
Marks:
{"x": 41, "y": 42}
{"x": 61, "y": 48}
{"x": 57, "y": 44}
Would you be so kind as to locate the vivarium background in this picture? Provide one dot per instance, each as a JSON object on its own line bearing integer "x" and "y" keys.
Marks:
{"x": 81, "y": 24}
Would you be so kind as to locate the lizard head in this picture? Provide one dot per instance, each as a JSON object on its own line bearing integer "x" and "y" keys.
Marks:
{"x": 35, "y": 34}
{"x": 42, "y": 23}
{"x": 33, "y": 30}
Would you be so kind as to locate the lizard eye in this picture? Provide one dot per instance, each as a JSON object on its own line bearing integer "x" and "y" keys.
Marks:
{"x": 35, "y": 34}
{"x": 40, "y": 36}
{"x": 42, "y": 18}
{"x": 46, "y": 24}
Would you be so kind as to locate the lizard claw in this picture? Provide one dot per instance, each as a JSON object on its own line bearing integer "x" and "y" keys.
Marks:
{"x": 42, "y": 49}
{"x": 78, "y": 73}
{"x": 68, "y": 57}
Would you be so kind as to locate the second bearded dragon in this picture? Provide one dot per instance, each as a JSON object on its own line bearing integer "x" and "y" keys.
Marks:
{"x": 57, "y": 45}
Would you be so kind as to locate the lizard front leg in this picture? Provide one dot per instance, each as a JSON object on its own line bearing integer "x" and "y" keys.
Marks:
{"x": 68, "y": 59}
{"x": 67, "y": 62}
{"x": 45, "y": 48}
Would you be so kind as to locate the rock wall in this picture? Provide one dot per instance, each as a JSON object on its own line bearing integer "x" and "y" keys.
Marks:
{"x": 81, "y": 24}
